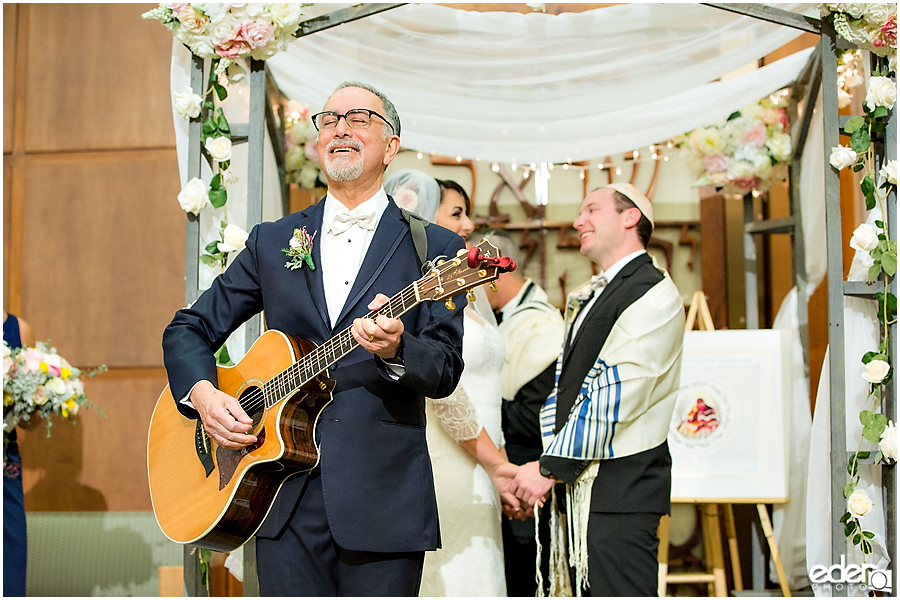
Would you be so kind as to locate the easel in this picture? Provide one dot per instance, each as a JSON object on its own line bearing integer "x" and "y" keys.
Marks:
{"x": 710, "y": 517}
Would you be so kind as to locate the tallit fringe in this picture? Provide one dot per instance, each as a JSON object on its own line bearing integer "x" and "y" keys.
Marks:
{"x": 578, "y": 513}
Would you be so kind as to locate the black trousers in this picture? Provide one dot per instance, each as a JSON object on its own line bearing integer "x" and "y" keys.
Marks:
{"x": 305, "y": 560}
{"x": 622, "y": 554}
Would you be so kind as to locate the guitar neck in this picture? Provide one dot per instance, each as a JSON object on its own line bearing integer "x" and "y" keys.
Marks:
{"x": 331, "y": 351}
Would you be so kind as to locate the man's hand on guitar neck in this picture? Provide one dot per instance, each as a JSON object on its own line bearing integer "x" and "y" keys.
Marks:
{"x": 381, "y": 335}
{"x": 223, "y": 418}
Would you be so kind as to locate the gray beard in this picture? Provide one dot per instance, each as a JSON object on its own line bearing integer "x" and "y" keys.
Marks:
{"x": 344, "y": 170}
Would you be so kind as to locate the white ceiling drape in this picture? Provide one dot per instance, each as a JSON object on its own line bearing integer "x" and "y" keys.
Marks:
{"x": 509, "y": 87}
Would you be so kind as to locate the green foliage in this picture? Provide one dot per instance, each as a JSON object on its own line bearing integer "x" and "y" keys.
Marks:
{"x": 873, "y": 425}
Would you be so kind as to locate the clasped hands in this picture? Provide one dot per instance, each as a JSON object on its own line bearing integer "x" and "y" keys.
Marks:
{"x": 521, "y": 487}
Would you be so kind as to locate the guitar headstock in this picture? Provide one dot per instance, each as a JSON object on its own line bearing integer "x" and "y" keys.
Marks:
{"x": 468, "y": 269}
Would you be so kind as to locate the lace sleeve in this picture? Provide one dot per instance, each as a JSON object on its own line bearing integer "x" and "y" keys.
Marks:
{"x": 457, "y": 415}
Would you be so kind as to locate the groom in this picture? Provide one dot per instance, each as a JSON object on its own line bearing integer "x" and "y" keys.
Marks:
{"x": 360, "y": 522}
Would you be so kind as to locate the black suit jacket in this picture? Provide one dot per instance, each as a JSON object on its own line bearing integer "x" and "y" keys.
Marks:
{"x": 638, "y": 483}
{"x": 375, "y": 469}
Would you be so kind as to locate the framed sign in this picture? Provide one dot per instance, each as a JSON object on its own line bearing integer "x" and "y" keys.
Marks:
{"x": 728, "y": 434}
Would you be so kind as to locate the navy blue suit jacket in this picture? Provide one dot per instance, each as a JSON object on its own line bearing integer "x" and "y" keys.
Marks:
{"x": 375, "y": 468}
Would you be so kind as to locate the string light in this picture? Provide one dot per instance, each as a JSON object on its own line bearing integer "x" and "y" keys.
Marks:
{"x": 419, "y": 156}
{"x": 495, "y": 167}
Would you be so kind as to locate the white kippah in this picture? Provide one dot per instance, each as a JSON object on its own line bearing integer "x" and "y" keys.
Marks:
{"x": 636, "y": 196}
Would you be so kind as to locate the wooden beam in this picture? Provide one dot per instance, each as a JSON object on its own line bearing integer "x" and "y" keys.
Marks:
{"x": 773, "y": 15}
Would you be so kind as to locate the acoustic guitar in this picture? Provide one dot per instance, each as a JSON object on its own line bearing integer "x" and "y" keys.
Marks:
{"x": 217, "y": 498}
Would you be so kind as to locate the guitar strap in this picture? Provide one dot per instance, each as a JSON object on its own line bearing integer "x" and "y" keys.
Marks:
{"x": 417, "y": 227}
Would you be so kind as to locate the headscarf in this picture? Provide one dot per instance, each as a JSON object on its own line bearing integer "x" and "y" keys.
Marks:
{"x": 415, "y": 191}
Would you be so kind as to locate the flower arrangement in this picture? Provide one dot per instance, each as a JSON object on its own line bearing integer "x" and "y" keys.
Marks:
{"x": 301, "y": 160}
{"x": 871, "y": 26}
{"x": 38, "y": 381}
{"x": 749, "y": 151}
{"x": 214, "y": 30}
{"x": 878, "y": 253}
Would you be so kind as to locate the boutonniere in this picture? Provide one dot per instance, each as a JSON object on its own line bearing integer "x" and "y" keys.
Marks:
{"x": 300, "y": 250}
{"x": 576, "y": 300}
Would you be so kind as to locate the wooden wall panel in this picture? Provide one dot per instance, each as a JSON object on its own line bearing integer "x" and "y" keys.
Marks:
{"x": 7, "y": 228}
{"x": 101, "y": 462}
{"x": 103, "y": 254}
{"x": 98, "y": 78}
{"x": 9, "y": 63}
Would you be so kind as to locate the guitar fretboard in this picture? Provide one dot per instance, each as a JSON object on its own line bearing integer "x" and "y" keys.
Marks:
{"x": 328, "y": 353}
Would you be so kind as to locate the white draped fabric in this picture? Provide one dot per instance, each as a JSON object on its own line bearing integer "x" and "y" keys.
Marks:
{"x": 509, "y": 87}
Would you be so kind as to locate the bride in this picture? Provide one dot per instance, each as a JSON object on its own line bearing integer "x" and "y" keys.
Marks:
{"x": 464, "y": 437}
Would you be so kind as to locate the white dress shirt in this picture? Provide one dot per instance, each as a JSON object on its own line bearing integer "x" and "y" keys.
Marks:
{"x": 341, "y": 254}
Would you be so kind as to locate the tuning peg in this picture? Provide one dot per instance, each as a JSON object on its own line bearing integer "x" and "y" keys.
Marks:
{"x": 470, "y": 295}
{"x": 493, "y": 286}
{"x": 449, "y": 304}
{"x": 462, "y": 252}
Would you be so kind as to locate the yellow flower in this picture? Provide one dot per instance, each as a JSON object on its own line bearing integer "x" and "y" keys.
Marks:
{"x": 8, "y": 399}
{"x": 65, "y": 373}
{"x": 44, "y": 366}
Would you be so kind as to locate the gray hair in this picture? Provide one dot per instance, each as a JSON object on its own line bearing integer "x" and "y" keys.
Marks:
{"x": 392, "y": 116}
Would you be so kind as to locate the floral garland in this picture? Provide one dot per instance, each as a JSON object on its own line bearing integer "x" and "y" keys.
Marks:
{"x": 871, "y": 26}
{"x": 227, "y": 34}
{"x": 876, "y": 251}
{"x": 38, "y": 381}
{"x": 749, "y": 151}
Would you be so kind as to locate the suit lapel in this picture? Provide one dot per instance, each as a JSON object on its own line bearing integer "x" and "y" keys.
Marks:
{"x": 391, "y": 229}
{"x": 312, "y": 220}
{"x": 596, "y": 317}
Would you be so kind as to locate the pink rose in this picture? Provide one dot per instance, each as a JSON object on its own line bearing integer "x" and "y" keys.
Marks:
{"x": 747, "y": 183}
{"x": 258, "y": 35}
{"x": 887, "y": 35}
{"x": 31, "y": 359}
{"x": 756, "y": 135}
{"x": 234, "y": 47}
{"x": 311, "y": 149}
{"x": 714, "y": 163}
{"x": 176, "y": 6}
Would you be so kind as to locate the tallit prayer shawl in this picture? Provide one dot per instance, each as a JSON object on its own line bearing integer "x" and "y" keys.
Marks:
{"x": 624, "y": 406}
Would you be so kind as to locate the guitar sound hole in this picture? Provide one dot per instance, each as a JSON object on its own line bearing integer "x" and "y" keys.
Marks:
{"x": 251, "y": 401}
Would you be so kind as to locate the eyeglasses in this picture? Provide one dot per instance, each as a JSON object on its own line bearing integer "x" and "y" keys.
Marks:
{"x": 357, "y": 118}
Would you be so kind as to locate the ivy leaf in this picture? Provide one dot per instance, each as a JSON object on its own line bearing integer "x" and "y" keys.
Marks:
{"x": 874, "y": 272}
{"x": 218, "y": 197}
{"x": 854, "y": 123}
{"x": 878, "y": 223}
{"x": 866, "y": 359}
{"x": 845, "y": 517}
{"x": 856, "y": 539}
{"x": 848, "y": 489}
{"x": 864, "y": 454}
{"x": 222, "y": 93}
{"x": 212, "y": 247}
{"x": 891, "y": 306}
{"x": 849, "y": 528}
{"x": 875, "y": 427}
{"x": 859, "y": 166}
{"x": 209, "y": 126}
{"x": 860, "y": 140}
{"x": 216, "y": 182}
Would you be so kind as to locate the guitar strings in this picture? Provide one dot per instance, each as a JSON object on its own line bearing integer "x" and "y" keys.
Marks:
{"x": 256, "y": 398}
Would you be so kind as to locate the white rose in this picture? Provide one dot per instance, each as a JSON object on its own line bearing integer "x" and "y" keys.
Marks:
{"x": 309, "y": 174}
{"x": 854, "y": 9}
{"x": 194, "y": 196}
{"x": 234, "y": 239}
{"x": 219, "y": 148}
{"x": 55, "y": 386}
{"x": 888, "y": 443}
{"x": 882, "y": 92}
{"x": 844, "y": 99}
{"x": 864, "y": 238}
{"x": 889, "y": 172}
{"x": 223, "y": 29}
{"x": 214, "y": 10}
{"x": 285, "y": 15}
{"x": 747, "y": 152}
{"x": 740, "y": 169}
{"x": 780, "y": 146}
{"x": 228, "y": 178}
{"x": 705, "y": 141}
{"x": 876, "y": 370}
{"x": 878, "y": 12}
{"x": 762, "y": 165}
{"x": 187, "y": 104}
{"x": 859, "y": 503}
{"x": 202, "y": 47}
{"x": 842, "y": 157}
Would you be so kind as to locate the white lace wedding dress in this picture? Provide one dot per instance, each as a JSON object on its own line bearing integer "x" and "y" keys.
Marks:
{"x": 470, "y": 562}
